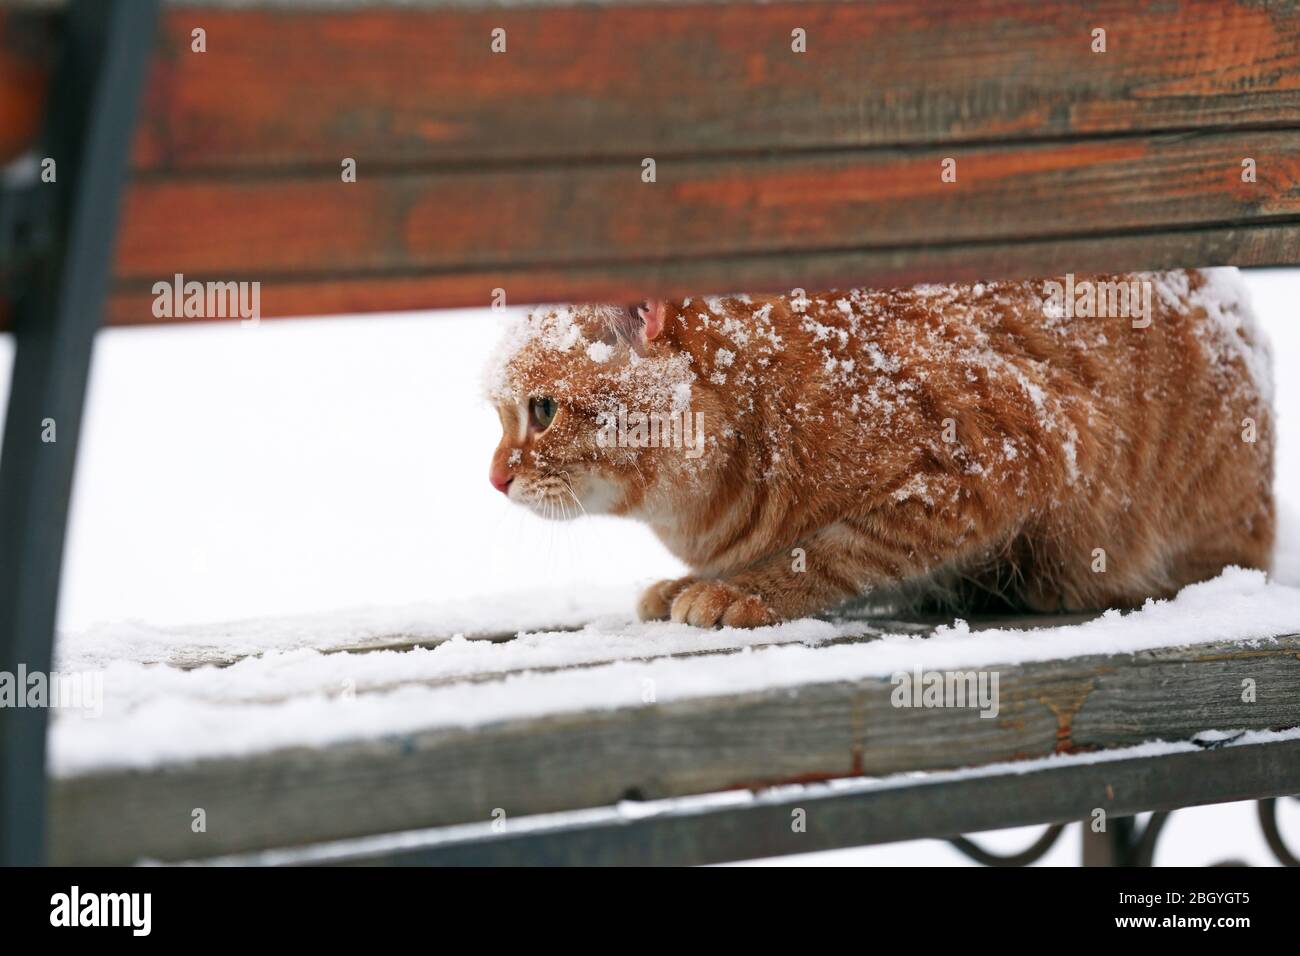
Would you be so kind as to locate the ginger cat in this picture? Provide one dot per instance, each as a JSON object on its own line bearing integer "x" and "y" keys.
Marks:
{"x": 1044, "y": 445}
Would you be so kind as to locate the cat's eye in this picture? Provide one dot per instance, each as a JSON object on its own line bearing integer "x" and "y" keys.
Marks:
{"x": 541, "y": 412}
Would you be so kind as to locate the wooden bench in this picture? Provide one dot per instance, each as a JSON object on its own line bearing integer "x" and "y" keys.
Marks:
{"x": 792, "y": 144}
{"x": 837, "y": 747}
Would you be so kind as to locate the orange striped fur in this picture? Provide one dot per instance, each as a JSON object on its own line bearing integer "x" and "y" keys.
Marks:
{"x": 976, "y": 445}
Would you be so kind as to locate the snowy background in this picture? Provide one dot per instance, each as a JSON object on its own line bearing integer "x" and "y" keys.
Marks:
{"x": 339, "y": 464}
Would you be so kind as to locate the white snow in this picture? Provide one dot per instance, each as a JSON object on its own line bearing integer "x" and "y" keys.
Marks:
{"x": 1236, "y": 330}
{"x": 144, "y": 643}
{"x": 155, "y": 714}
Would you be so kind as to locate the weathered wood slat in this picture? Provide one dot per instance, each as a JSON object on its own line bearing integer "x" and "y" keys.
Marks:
{"x": 293, "y": 86}
{"x": 400, "y": 86}
{"x": 511, "y": 669}
{"x": 577, "y": 760}
{"x": 191, "y": 658}
{"x": 879, "y": 217}
{"x": 942, "y": 805}
{"x": 521, "y": 170}
{"x": 793, "y": 204}
{"x": 1268, "y": 245}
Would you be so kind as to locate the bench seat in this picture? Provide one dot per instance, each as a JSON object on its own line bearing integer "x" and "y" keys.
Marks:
{"x": 302, "y": 746}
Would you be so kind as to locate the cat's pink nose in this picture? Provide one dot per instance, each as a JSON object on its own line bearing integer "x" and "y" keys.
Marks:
{"x": 500, "y": 481}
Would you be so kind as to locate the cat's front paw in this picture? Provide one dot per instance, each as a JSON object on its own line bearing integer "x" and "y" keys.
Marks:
{"x": 656, "y": 603}
{"x": 710, "y": 603}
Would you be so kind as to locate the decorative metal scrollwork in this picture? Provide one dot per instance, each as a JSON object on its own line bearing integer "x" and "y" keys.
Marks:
{"x": 1267, "y": 810}
{"x": 1031, "y": 854}
{"x": 1130, "y": 846}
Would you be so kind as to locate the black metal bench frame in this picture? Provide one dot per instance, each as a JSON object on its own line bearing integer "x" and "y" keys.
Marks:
{"x": 69, "y": 227}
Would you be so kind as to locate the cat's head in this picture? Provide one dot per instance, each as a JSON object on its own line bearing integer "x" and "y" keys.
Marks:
{"x": 570, "y": 384}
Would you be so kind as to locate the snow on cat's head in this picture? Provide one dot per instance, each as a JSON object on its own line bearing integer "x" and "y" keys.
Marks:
{"x": 566, "y": 381}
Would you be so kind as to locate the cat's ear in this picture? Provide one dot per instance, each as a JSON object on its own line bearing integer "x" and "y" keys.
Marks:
{"x": 651, "y": 313}
{"x": 639, "y": 323}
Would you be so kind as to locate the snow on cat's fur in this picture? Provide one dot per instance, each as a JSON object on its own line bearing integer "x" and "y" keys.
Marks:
{"x": 995, "y": 442}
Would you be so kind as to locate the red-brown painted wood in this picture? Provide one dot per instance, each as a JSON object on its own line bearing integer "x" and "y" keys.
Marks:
{"x": 522, "y": 170}
{"x": 407, "y": 225}
{"x": 348, "y": 294}
{"x": 403, "y": 86}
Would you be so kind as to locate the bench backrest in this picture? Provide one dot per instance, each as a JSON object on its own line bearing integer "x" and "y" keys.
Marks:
{"x": 808, "y": 144}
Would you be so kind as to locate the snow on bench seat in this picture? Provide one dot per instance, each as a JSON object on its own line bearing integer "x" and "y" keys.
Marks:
{"x": 298, "y": 746}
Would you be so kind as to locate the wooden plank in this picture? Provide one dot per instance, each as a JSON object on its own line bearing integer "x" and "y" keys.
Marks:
{"x": 520, "y": 171}
{"x": 873, "y": 217}
{"x": 132, "y": 303}
{"x": 290, "y": 86}
{"x": 942, "y": 805}
{"x": 191, "y": 661}
{"x": 550, "y": 216}
{"x": 194, "y": 647}
{"x": 193, "y": 653}
{"x": 189, "y": 658}
{"x": 752, "y": 740}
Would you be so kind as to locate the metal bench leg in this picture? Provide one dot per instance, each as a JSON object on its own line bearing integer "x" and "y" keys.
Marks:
{"x": 1123, "y": 843}
{"x": 57, "y": 307}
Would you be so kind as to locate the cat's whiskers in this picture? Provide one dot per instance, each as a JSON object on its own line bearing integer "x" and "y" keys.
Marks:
{"x": 572, "y": 494}
{"x": 548, "y": 493}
